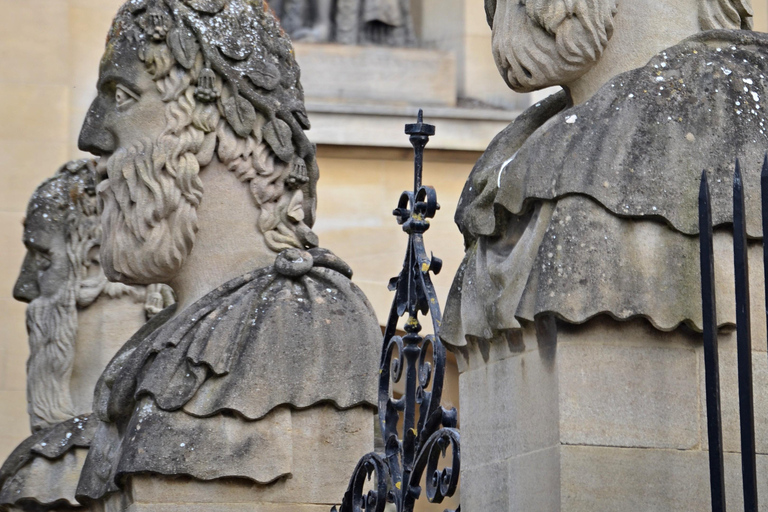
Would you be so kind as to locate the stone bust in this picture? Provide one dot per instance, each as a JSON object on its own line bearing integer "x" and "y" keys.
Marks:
{"x": 76, "y": 321}
{"x": 208, "y": 185}
{"x": 580, "y": 288}
{"x": 586, "y": 173}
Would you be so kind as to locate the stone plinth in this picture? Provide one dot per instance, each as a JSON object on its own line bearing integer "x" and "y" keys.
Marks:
{"x": 605, "y": 416}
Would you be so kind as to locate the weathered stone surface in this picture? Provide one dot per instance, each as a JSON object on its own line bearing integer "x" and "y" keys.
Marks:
{"x": 318, "y": 435}
{"x": 585, "y": 208}
{"x": 232, "y": 507}
{"x": 634, "y": 218}
{"x": 484, "y": 486}
{"x": 45, "y": 482}
{"x": 627, "y": 385}
{"x": 534, "y": 481}
{"x": 234, "y": 350}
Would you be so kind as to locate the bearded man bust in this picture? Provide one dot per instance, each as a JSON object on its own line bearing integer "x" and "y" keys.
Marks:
{"x": 577, "y": 308}
{"x": 259, "y": 385}
{"x": 76, "y": 321}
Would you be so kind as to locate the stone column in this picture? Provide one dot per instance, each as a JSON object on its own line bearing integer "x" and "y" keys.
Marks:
{"x": 347, "y": 21}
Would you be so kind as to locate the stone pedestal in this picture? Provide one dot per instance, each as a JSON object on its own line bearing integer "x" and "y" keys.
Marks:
{"x": 605, "y": 416}
{"x": 327, "y": 444}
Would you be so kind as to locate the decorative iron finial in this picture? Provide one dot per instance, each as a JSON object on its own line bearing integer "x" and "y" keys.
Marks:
{"x": 429, "y": 429}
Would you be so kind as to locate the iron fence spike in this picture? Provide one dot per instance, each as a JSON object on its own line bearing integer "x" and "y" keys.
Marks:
{"x": 744, "y": 344}
{"x": 711, "y": 359}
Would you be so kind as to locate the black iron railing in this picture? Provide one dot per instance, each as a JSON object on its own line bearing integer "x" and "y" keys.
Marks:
{"x": 743, "y": 340}
{"x": 429, "y": 430}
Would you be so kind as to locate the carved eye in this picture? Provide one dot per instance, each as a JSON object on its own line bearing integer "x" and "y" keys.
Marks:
{"x": 42, "y": 261}
{"x": 124, "y": 98}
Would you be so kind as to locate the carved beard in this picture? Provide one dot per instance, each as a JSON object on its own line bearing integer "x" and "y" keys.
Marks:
{"x": 52, "y": 328}
{"x": 537, "y": 44}
{"x": 148, "y": 223}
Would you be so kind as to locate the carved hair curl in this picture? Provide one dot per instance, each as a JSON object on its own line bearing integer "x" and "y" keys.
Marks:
{"x": 725, "y": 14}
{"x": 231, "y": 82}
{"x": 713, "y": 14}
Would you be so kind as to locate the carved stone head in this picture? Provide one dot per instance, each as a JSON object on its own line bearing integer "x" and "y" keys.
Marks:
{"x": 541, "y": 43}
{"x": 183, "y": 83}
{"x": 60, "y": 273}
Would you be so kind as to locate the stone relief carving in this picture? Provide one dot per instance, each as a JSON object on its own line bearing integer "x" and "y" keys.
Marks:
{"x": 377, "y": 22}
{"x": 209, "y": 185}
{"x": 568, "y": 197}
{"x": 76, "y": 320}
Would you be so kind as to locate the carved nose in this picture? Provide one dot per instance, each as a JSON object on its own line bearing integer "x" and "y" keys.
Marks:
{"x": 26, "y": 288}
{"x": 94, "y": 138}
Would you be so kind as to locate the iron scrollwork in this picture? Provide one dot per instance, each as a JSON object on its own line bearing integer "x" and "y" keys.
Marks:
{"x": 429, "y": 430}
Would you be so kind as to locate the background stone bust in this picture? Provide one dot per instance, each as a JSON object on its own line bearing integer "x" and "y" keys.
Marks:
{"x": 61, "y": 279}
{"x": 76, "y": 321}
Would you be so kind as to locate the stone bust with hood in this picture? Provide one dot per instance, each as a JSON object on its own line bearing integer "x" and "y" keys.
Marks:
{"x": 575, "y": 314}
{"x": 587, "y": 204}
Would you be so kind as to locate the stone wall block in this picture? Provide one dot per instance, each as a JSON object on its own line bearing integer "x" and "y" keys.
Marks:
{"x": 601, "y": 479}
{"x": 509, "y": 408}
{"x": 632, "y": 391}
{"x": 343, "y": 73}
{"x": 14, "y": 425}
{"x": 39, "y": 112}
{"x": 534, "y": 481}
{"x": 11, "y": 252}
{"x": 484, "y": 487}
{"x": 729, "y": 396}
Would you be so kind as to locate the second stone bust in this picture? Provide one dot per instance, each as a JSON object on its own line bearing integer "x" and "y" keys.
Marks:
{"x": 239, "y": 392}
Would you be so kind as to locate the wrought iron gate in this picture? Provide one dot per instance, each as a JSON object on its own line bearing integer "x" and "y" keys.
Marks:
{"x": 429, "y": 430}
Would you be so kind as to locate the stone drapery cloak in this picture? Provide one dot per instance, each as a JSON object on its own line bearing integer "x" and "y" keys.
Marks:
{"x": 584, "y": 210}
{"x": 209, "y": 392}
{"x": 42, "y": 472}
